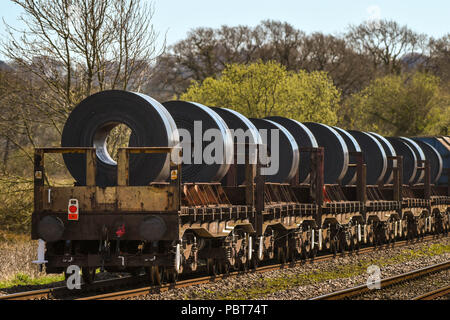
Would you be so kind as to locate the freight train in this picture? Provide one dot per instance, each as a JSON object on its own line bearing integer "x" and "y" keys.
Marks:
{"x": 166, "y": 208}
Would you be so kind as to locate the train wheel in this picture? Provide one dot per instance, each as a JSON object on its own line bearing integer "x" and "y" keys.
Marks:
{"x": 334, "y": 246}
{"x": 281, "y": 255}
{"x": 225, "y": 268}
{"x": 88, "y": 274}
{"x": 342, "y": 242}
{"x": 352, "y": 243}
{"x": 211, "y": 266}
{"x": 370, "y": 235}
{"x": 292, "y": 257}
{"x": 313, "y": 253}
{"x": 171, "y": 275}
{"x": 388, "y": 233}
{"x": 156, "y": 275}
{"x": 357, "y": 244}
{"x": 254, "y": 264}
{"x": 243, "y": 266}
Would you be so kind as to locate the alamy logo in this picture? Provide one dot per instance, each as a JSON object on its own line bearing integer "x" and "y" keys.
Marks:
{"x": 374, "y": 279}
{"x": 73, "y": 277}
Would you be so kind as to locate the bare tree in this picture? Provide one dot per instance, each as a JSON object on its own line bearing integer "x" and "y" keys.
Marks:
{"x": 440, "y": 58}
{"x": 333, "y": 54}
{"x": 386, "y": 43}
{"x": 68, "y": 50}
{"x": 281, "y": 42}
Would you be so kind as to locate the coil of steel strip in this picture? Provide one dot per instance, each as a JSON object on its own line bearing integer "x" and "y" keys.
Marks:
{"x": 420, "y": 157}
{"x": 409, "y": 158}
{"x": 288, "y": 155}
{"x": 434, "y": 160}
{"x": 374, "y": 156}
{"x": 353, "y": 146}
{"x": 336, "y": 153}
{"x": 91, "y": 121}
{"x": 390, "y": 151}
{"x": 304, "y": 138}
{"x": 185, "y": 115}
{"x": 440, "y": 144}
{"x": 249, "y": 134}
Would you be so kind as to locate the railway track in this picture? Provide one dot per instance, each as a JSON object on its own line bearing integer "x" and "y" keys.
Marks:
{"x": 63, "y": 292}
{"x": 385, "y": 283}
{"x": 441, "y": 292}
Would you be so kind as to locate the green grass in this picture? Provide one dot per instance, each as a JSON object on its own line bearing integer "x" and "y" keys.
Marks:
{"x": 267, "y": 286}
{"x": 24, "y": 280}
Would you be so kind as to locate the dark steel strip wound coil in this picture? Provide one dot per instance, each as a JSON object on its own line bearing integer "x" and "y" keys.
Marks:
{"x": 289, "y": 155}
{"x": 390, "y": 151}
{"x": 353, "y": 146}
{"x": 374, "y": 156}
{"x": 434, "y": 160}
{"x": 91, "y": 121}
{"x": 409, "y": 158}
{"x": 236, "y": 121}
{"x": 336, "y": 152}
{"x": 185, "y": 115}
{"x": 304, "y": 138}
{"x": 419, "y": 155}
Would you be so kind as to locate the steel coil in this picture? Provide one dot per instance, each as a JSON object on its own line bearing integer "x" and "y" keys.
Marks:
{"x": 91, "y": 121}
{"x": 420, "y": 156}
{"x": 374, "y": 156}
{"x": 390, "y": 152}
{"x": 304, "y": 138}
{"x": 336, "y": 153}
{"x": 409, "y": 158}
{"x": 352, "y": 146}
{"x": 186, "y": 114}
{"x": 434, "y": 160}
{"x": 288, "y": 156}
{"x": 250, "y": 135}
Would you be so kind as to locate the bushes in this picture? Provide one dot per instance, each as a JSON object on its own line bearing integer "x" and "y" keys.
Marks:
{"x": 265, "y": 89}
{"x": 16, "y": 204}
{"x": 407, "y": 104}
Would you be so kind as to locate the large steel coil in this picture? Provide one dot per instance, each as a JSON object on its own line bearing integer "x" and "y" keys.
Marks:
{"x": 243, "y": 132}
{"x": 197, "y": 119}
{"x": 304, "y": 138}
{"x": 352, "y": 146}
{"x": 390, "y": 152}
{"x": 288, "y": 156}
{"x": 409, "y": 158}
{"x": 336, "y": 153}
{"x": 374, "y": 156}
{"x": 434, "y": 160}
{"x": 92, "y": 120}
{"x": 442, "y": 146}
{"x": 420, "y": 156}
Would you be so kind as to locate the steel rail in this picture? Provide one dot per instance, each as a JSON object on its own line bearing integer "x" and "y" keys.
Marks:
{"x": 434, "y": 294}
{"x": 29, "y": 295}
{"x": 64, "y": 291}
{"x": 385, "y": 283}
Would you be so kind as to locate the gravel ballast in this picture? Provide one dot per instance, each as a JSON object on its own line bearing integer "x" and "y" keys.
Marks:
{"x": 310, "y": 280}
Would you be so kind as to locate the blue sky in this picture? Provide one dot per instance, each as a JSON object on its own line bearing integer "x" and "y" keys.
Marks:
{"x": 177, "y": 17}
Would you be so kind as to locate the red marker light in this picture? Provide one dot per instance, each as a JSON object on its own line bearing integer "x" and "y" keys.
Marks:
{"x": 120, "y": 231}
{"x": 73, "y": 210}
